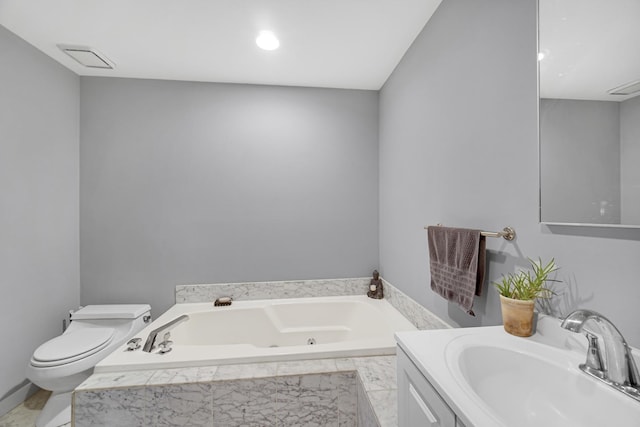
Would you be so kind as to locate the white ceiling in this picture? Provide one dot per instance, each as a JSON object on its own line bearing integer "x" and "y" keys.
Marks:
{"x": 323, "y": 43}
{"x": 590, "y": 47}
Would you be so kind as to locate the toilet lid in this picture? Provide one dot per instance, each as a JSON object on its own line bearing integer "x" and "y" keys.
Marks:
{"x": 72, "y": 346}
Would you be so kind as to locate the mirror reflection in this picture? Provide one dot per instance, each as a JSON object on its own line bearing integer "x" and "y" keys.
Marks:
{"x": 589, "y": 111}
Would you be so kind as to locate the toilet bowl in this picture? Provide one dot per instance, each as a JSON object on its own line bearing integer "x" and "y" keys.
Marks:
{"x": 64, "y": 362}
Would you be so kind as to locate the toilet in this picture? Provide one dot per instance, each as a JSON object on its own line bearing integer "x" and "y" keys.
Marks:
{"x": 62, "y": 363}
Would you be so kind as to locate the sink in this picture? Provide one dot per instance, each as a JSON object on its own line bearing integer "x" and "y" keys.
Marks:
{"x": 521, "y": 382}
{"x": 489, "y": 378}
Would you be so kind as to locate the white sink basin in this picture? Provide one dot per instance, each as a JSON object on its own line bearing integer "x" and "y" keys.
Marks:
{"x": 525, "y": 383}
{"x": 492, "y": 379}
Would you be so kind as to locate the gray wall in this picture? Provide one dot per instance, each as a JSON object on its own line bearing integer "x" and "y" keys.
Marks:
{"x": 630, "y": 159}
{"x": 458, "y": 146}
{"x": 201, "y": 183}
{"x": 580, "y": 160}
{"x": 189, "y": 182}
{"x": 39, "y": 272}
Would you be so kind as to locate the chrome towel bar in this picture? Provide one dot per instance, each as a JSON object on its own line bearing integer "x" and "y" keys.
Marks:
{"x": 508, "y": 233}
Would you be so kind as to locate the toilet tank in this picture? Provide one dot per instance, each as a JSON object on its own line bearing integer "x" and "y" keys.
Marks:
{"x": 111, "y": 311}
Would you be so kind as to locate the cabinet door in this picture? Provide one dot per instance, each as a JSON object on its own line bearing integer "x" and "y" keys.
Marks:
{"x": 419, "y": 404}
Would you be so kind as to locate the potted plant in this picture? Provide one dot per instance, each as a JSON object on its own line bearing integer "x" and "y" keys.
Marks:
{"x": 518, "y": 293}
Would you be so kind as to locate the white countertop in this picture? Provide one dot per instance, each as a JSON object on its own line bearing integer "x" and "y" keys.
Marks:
{"x": 435, "y": 355}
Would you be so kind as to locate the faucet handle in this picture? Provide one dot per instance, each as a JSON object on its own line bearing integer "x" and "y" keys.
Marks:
{"x": 594, "y": 364}
{"x": 165, "y": 346}
{"x": 134, "y": 344}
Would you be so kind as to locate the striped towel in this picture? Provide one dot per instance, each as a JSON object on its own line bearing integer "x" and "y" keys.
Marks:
{"x": 457, "y": 263}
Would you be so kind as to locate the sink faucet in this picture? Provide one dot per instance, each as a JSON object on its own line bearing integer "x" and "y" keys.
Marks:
{"x": 617, "y": 368}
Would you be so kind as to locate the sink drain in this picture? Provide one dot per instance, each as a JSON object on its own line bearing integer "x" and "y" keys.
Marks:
{"x": 311, "y": 341}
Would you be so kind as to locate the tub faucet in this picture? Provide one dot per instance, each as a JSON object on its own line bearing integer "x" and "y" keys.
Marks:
{"x": 149, "y": 345}
{"x": 615, "y": 366}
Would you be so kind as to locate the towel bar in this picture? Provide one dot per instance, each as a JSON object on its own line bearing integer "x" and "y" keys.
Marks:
{"x": 508, "y": 233}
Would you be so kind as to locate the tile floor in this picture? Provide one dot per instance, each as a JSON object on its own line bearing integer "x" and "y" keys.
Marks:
{"x": 25, "y": 414}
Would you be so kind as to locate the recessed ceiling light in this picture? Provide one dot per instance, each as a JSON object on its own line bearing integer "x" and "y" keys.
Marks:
{"x": 87, "y": 56}
{"x": 267, "y": 40}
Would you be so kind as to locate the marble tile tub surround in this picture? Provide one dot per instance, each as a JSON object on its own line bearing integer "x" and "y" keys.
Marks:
{"x": 272, "y": 290}
{"x": 340, "y": 392}
{"x": 414, "y": 312}
{"x": 326, "y": 392}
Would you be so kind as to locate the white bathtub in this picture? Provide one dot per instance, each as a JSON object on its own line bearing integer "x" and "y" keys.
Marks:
{"x": 269, "y": 330}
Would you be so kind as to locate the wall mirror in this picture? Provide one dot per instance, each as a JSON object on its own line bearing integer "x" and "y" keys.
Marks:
{"x": 589, "y": 112}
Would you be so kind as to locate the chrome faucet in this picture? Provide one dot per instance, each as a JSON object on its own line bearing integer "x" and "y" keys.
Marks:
{"x": 149, "y": 345}
{"x": 616, "y": 366}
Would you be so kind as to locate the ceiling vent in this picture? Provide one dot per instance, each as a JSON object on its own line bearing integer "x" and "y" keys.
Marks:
{"x": 626, "y": 89}
{"x": 87, "y": 57}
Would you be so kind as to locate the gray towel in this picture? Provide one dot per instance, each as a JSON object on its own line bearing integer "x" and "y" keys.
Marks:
{"x": 457, "y": 262}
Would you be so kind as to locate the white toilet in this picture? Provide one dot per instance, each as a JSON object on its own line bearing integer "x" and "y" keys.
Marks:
{"x": 62, "y": 363}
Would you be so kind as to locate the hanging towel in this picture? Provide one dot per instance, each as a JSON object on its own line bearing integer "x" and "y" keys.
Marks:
{"x": 457, "y": 263}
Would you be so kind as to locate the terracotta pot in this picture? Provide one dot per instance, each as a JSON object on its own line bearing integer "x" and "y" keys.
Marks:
{"x": 517, "y": 316}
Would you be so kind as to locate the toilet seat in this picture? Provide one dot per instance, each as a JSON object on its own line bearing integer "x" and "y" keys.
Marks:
{"x": 71, "y": 347}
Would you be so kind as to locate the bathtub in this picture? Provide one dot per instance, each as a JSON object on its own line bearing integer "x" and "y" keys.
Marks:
{"x": 268, "y": 331}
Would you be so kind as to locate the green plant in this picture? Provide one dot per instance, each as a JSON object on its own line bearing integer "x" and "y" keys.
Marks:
{"x": 528, "y": 285}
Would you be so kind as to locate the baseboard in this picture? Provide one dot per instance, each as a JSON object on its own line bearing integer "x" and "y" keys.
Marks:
{"x": 16, "y": 397}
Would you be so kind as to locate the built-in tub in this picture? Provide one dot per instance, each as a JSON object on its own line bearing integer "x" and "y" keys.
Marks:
{"x": 267, "y": 331}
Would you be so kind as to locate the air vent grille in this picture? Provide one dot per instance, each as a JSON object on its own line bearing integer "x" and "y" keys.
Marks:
{"x": 87, "y": 57}
{"x": 626, "y": 89}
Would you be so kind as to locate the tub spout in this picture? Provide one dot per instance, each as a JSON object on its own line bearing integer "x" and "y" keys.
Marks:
{"x": 149, "y": 345}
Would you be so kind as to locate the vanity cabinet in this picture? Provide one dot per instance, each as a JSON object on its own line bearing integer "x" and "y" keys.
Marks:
{"x": 419, "y": 404}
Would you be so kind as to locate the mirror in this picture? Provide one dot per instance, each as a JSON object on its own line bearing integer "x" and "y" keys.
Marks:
{"x": 589, "y": 112}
